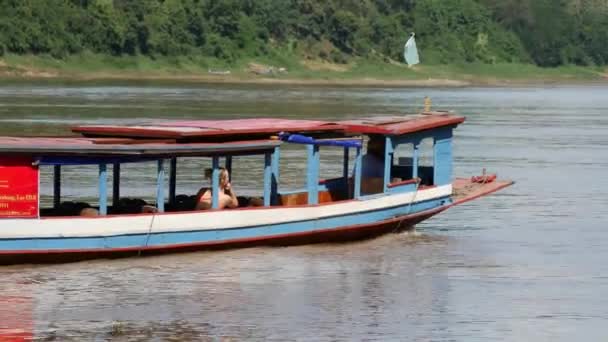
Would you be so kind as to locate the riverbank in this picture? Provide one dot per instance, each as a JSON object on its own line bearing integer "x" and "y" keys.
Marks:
{"x": 288, "y": 71}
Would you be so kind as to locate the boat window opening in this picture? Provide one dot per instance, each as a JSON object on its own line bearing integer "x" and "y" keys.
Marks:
{"x": 334, "y": 174}
{"x": 292, "y": 182}
{"x": 293, "y": 167}
{"x": 373, "y": 165}
{"x": 138, "y": 187}
{"x": 247, "y": 179}
{"x": 251, "y": 178}
{"x": 77, "y": 190}
{"x": 426, "y": 161}
{"x": 190, "y": 177}
{"x": 147, "y": 186}
{"x": 403, "y": 163}
{"x": 80, "y": 189}
{"x": 335, "y": 178}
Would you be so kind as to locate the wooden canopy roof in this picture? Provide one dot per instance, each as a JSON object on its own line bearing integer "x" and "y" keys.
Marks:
{"x": 247, "y": 128}
{"x": 400, "y": 125}
{"x": 209, "y": 137}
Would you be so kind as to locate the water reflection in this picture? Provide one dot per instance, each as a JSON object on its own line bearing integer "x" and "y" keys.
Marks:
{"x": 16, "y": 317}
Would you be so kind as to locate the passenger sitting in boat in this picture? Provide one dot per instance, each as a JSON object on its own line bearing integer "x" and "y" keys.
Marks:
{"x": 372, "y": 170}
{"x": 133, "y": 206}
{"x": 89, "y": 212}
{"x": 227, "y": 197}
{"x": 250, "y": 201}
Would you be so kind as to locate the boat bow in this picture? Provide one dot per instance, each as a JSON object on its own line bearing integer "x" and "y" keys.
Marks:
{"x": 468, "y": 189}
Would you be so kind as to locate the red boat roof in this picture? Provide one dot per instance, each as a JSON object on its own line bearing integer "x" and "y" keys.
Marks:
{"x": 261, "y": 124}
{"x": 399, "y": 125}
{"x": 208, "y": 128}
{"x": 388, "y": 125}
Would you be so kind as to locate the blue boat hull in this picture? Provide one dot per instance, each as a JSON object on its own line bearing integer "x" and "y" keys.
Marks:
{"x": 335, "y": 229}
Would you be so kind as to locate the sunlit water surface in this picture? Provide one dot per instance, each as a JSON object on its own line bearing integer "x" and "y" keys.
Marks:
{"x": 527, "y": 264}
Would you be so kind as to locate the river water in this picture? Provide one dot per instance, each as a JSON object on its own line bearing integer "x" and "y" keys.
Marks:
{"x": 527, "y": 264}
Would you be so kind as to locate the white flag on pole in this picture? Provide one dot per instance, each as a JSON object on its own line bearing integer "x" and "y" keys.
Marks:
{"x": 410, "y": 52}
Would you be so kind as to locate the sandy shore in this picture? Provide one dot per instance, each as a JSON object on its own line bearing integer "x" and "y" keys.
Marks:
{"x": 33, "y": 75}
{"x": 27, "y": 74}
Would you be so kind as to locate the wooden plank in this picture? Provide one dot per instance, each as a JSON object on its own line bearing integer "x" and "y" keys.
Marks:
{"x": 465, "y": 190}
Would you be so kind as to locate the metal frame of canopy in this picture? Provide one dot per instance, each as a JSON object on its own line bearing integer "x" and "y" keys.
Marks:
{"x": 271, "y": 170}
{"x": 313, "y": 161}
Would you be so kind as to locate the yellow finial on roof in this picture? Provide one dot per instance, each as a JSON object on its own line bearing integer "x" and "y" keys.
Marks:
{"x": 427, "y": 104}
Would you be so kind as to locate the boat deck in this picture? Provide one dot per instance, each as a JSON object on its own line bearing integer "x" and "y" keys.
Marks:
{"x": 464, "y": 189}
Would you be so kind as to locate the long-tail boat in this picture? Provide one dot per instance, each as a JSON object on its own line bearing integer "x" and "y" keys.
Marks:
{"x": 368, "y": 199}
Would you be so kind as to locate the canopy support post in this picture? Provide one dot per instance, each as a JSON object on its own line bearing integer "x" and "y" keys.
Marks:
{"x": 115, "y": 185}
{"x": 215, "y": 182}
{"x": 275, "y": 165}
{"x": 345, "y": 168}
{"x": 415, "y": 160}
{"x": 267, "y": 178}
{"x": 388, "y": 163}
{"x": 160, "y": 186}
{"x": 312, "y": 174}
{"x": 358, "y": 167}
{"x": 103, "y": 189}
{"x": 56, "y": 186}
{"x": 172, "y": 180}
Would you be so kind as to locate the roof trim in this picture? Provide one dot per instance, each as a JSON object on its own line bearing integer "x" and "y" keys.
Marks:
{"x": 83, "y": 146}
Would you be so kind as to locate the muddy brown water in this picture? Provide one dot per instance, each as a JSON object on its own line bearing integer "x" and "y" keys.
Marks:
{"x": 528, "y": 264}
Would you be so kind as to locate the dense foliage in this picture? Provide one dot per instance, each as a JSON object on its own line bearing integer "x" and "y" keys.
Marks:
{"x": 547, "y": 32}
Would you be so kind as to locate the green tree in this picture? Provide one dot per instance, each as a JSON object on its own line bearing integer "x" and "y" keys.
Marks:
{"x": 546, "y": 32}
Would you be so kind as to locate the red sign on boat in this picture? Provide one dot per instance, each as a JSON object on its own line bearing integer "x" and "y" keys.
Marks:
{"x": 18, "y": 188}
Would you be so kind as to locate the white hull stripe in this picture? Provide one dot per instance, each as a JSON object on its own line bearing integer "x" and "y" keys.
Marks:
{"x": 205, "y": 220}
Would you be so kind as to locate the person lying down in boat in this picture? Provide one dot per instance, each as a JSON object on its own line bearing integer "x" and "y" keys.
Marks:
{"x": 227, "y": 197}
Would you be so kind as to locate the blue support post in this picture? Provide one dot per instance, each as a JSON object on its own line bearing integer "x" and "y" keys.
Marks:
{"x": 388, "y": 162}
{"x": 172, "y": 180}
{"x": 275, "y": 166}
{"x": 267, "y": 178}
{"x": 415, "y": 158}
{"x": 358, "y": 167}
{"x": 312, "y": 174}
{"x": 345, "y": 167}
{"x": 103, "y": 189}
{"x": 115, "y": 184}
{"x": 160, "y": 186}
{"x": 442, "y": 157}
{"x": 56, "y": 186}
{"x": 215, "y": 182}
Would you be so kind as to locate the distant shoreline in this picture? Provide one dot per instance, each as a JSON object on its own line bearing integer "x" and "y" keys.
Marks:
{"x": 203, "y": 79}
{"x": 354, "y": 82}
{"x": 363, "y": 73}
